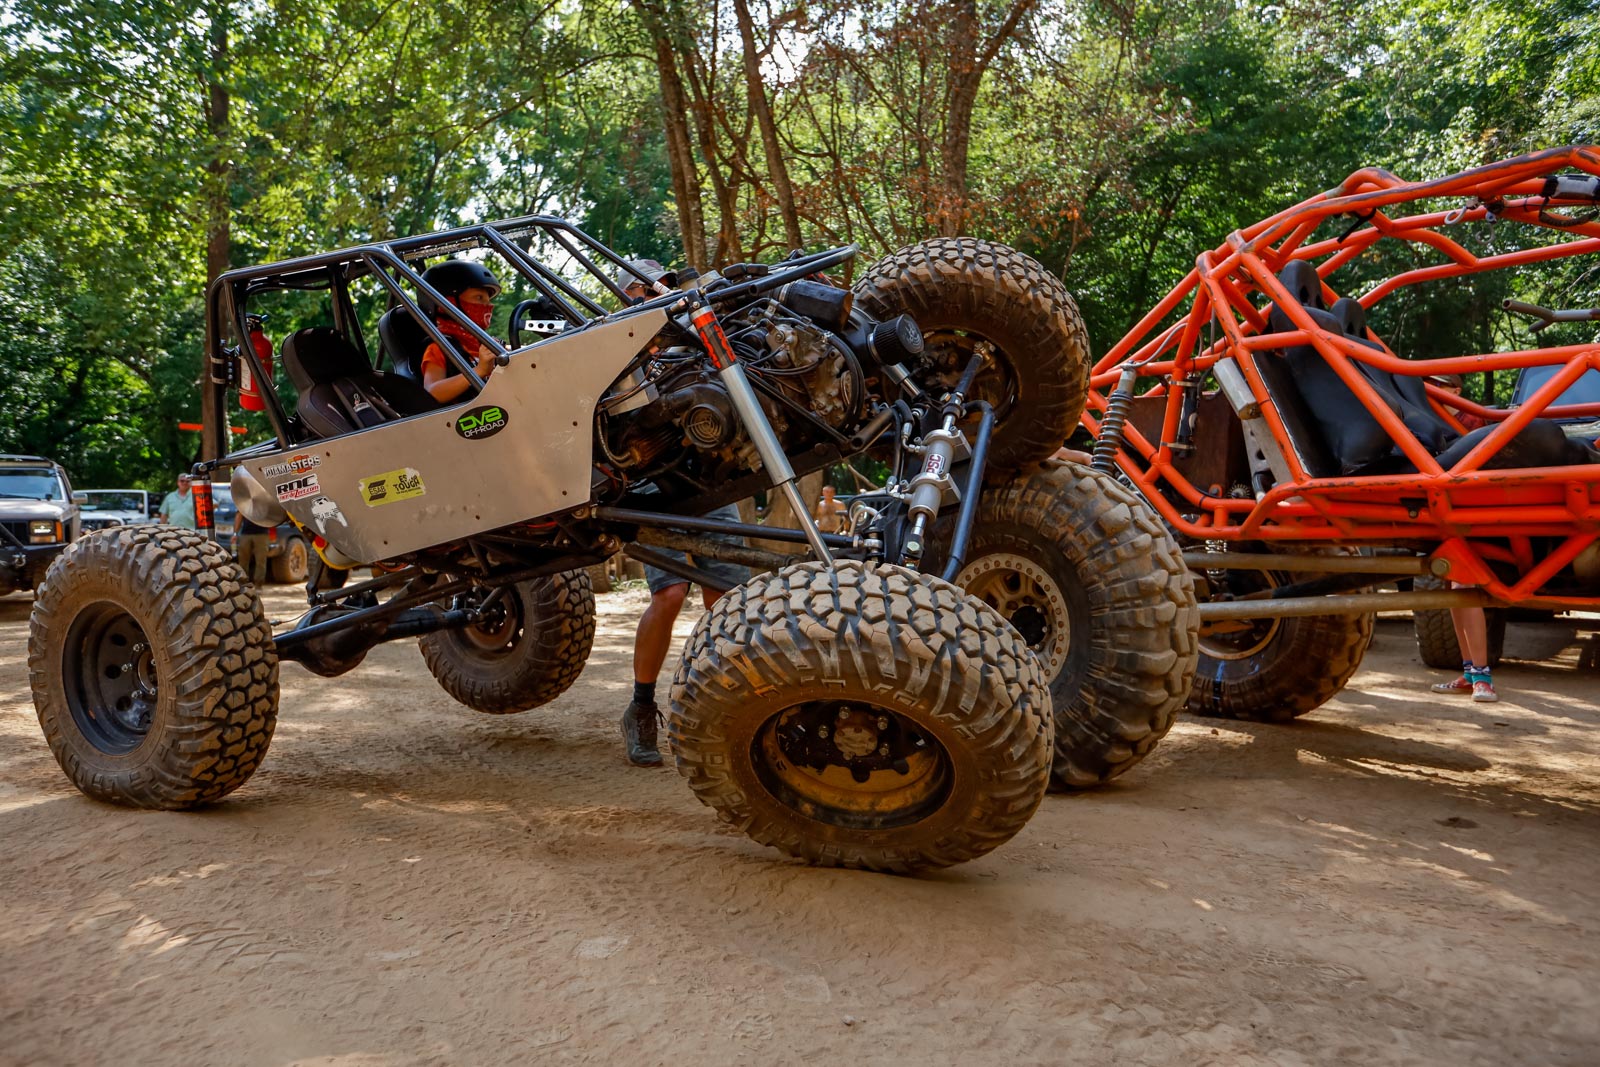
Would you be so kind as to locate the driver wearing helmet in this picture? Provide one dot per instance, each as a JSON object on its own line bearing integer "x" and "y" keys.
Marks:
{"x": 470, "y": 287}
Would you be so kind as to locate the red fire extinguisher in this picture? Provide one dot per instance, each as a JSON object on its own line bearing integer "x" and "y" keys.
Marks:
{"x": 249, "y": 390}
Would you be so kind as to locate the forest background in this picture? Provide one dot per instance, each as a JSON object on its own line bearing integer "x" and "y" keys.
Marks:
{"x": 145, "y": 146}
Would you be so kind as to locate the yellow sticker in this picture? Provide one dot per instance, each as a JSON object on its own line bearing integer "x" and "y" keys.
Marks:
{"x": 390, "y": 486}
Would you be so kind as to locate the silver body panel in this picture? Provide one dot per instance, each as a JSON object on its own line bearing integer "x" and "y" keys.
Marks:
{"x": 418, "y": 482}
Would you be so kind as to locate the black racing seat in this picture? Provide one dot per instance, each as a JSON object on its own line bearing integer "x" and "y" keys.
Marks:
{"x": 404, "y": 340}
{"x": 1334, "y": 433}
{"x": 339, "y": 390}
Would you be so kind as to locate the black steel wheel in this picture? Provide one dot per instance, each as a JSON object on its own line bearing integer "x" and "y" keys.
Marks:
{"x": 110, "y": 674}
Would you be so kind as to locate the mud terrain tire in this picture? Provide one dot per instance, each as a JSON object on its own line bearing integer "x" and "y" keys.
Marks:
{"x": 1280, "y": 668}
{"x": 152, "y": 668}
{"x": 527, "y": 655}
{"x": 887, "y": 657}
{"x": 1436, "y": 634}
{"x": 1087, "y": 572}
{"x": 292, "y": 565}
{"x": 964, "y": 292}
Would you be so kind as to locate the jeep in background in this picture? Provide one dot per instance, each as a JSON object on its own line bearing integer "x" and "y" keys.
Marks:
{"x": 104, "y": 508}
{"x": 37, "y": 519}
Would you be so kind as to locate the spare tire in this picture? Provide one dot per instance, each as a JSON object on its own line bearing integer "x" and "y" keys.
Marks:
{"x": 971, "y": 296}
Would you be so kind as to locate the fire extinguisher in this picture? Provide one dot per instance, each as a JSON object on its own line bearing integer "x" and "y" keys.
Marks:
{"x": 249, "y": 390}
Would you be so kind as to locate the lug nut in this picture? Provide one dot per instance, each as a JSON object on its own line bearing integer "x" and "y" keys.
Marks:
{"x": 883, "y": 750}
{"x": 883, "y": 722}
{"x": 822, "y": 731}
{"x": 844, "y": 713}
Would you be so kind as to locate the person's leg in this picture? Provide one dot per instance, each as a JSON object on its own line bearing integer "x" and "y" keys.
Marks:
{"x": 650, "y": 645}
{"x": 654, "y": 638}
{"x": 253, "y": 558}
{"x": 1472, "y": 630}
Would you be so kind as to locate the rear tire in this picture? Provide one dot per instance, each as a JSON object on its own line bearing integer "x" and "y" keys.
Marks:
{"x": 1436, "y": 634}
{"x": 868, "y": 716}
{"x": 968, "y": 295}
{"x": 1276, "y": 670}
{"x": 526, "y": 654}
{"x": 1086, "y": 571}
{"x": 152, "y": 668}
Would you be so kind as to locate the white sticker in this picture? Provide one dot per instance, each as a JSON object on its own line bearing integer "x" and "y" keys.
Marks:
{"x": 323, "y": 509}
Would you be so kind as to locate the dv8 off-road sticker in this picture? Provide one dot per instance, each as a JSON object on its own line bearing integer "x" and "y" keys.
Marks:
{"x": 477, "y": 423}
{"x": 390, "y": 486}
{"x": 298, "y": 488}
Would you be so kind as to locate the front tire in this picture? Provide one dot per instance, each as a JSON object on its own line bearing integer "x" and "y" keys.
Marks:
{"x": 1088, "y": 574}
{"x": 868, "y": 716}
{"x": 971, "y": 296}
{"x": 528, "y": 651}
{"x": 152, "y": 668}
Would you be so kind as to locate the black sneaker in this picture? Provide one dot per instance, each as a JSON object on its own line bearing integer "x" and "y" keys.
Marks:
{"x": 639, "y": 734}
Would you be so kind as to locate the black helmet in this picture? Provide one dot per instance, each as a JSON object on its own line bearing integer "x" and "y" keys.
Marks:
{"x": 454, "y": 277}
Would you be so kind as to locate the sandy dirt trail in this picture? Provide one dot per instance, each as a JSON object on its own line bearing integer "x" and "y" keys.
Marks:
{"x": 1397, "y": 879}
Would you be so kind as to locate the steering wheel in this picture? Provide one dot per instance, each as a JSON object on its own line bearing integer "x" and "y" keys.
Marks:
{"x": 538, "y": 314}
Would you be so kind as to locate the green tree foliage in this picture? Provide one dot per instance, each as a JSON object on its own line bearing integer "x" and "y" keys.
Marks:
{"x": 1112, "y": 139}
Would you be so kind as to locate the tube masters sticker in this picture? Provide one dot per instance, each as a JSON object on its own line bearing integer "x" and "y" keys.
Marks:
{"x": 390, "y": 486}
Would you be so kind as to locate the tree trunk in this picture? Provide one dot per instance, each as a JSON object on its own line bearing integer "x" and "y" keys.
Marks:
{"x": 680, "y": 153}
{"x": 729, "y": 246}
{"x": 777, "y": 168}
{"x": 968, "y": 65}
{"x": 219, "y": 234}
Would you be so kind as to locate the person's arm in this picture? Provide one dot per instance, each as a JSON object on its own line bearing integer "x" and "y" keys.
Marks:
{"x": 238, "y": 523}
{"x": 161, "y": 515}
{"x": 442, "y": 386}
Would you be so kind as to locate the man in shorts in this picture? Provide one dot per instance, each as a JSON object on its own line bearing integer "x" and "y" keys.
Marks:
{"x": 650, "y": 645}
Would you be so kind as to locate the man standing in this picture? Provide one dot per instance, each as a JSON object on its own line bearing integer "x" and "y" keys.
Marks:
{"x": 177, "y": 507}
{"x": 830, "y": 512}
{"x": 250, "y": 546}
{"x": 667, "y": 592}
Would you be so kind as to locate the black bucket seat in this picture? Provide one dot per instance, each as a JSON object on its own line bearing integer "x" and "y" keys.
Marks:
{"x": 339, "y": 390}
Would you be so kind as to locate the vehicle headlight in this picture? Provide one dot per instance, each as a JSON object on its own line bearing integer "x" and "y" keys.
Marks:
{"x": 44, "y": 532}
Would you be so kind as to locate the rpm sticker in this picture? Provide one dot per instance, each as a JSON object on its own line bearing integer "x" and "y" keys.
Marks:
{"x": 386, "y": 488}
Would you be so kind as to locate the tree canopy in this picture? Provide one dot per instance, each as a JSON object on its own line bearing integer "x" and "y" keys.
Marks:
{"x": 146, "y": 146}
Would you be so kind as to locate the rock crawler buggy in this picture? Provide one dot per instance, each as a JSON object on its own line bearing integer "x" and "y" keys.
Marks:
{"x": 1303, "y": 463}
{"x": 899, "y": 700}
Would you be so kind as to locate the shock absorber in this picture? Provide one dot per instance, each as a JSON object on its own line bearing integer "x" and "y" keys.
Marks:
{"x": 939, "y": 448}
{"x": 1109, "y": 442}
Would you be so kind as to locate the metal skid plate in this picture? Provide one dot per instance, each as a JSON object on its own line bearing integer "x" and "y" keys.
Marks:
{"x": 521, "y": 449}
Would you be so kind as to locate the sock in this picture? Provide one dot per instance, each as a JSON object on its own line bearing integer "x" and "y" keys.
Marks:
{"x": 1466, "y": 669}
{"x": 644, "y": 693}
{"x": 1480, "y": 674}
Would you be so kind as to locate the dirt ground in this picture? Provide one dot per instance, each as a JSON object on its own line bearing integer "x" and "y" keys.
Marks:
{"x": 1397, "y": 879}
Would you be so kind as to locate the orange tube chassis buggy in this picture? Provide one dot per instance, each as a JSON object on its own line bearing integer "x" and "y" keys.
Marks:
{"x": 1507, "y": 532}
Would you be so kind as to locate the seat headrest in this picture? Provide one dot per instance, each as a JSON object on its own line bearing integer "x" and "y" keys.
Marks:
{"x": 404, "y": 340}
{"x": 1352, "y": 317}
{"x": 320, "y": 354}
{"x": 1300, "y": 278}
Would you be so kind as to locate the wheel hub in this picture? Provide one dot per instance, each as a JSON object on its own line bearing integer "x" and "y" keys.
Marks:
{"x": 111, "y": 680}
{"x": 1029, "y": 598}
{"x": 1242, "y": 638}
{"x": 851, "y": 764}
